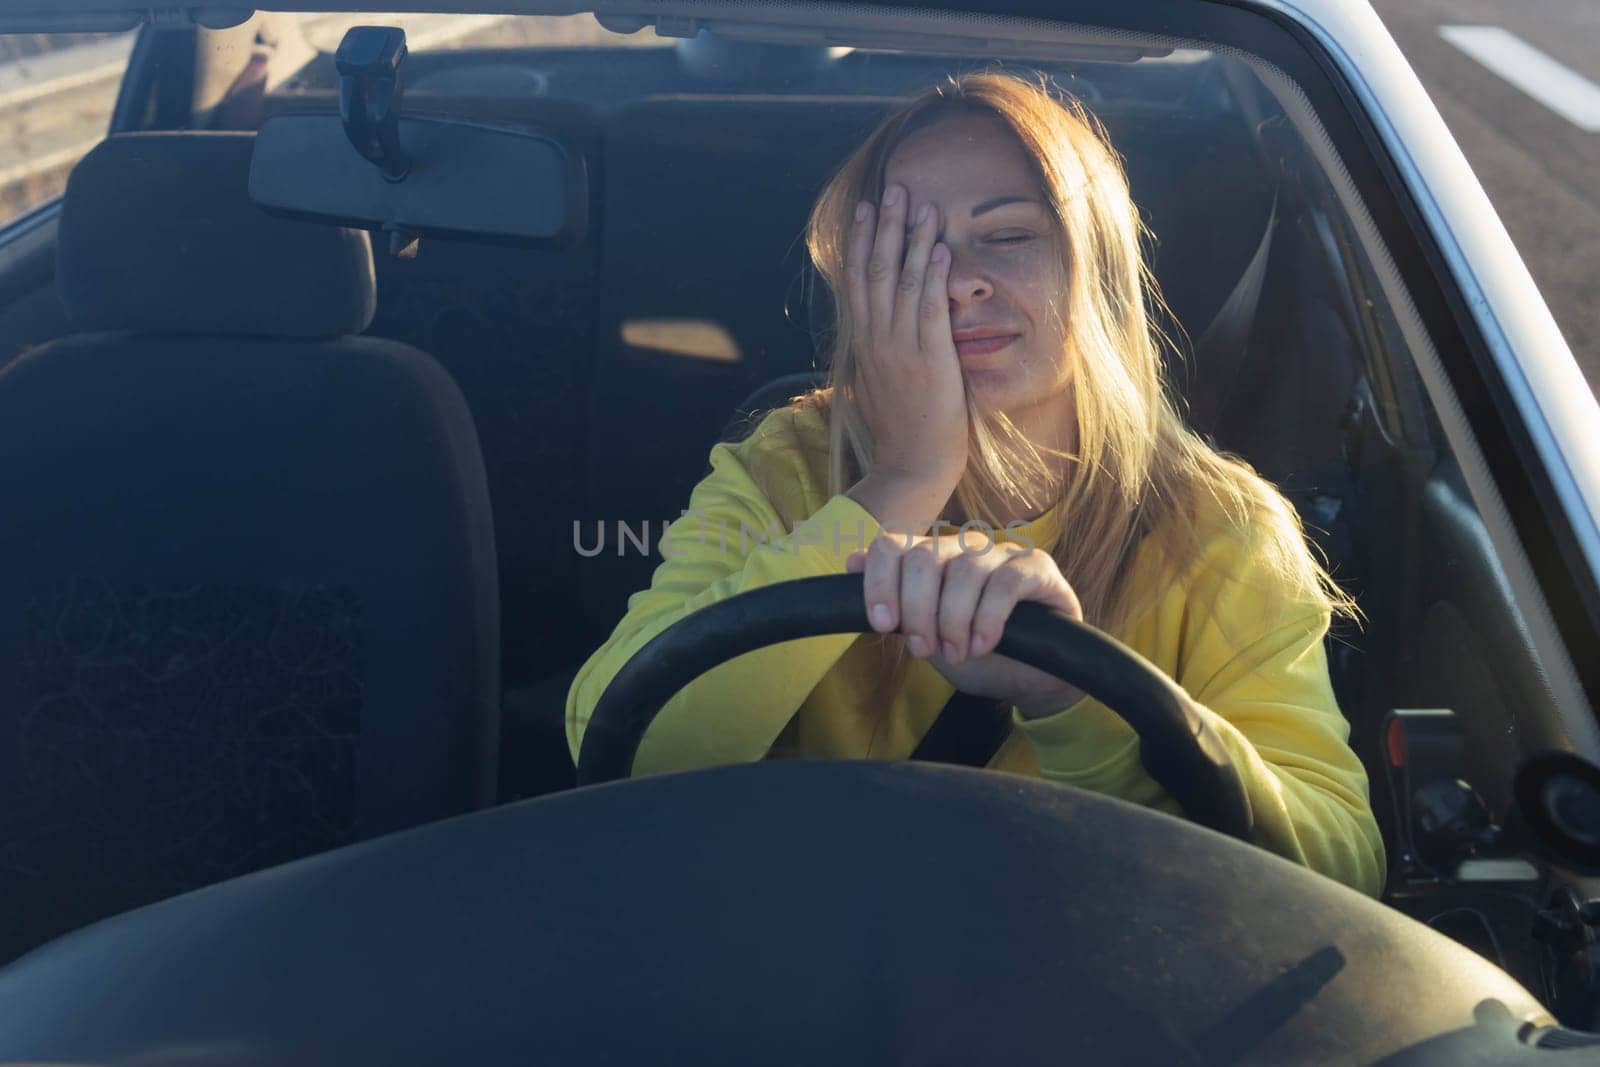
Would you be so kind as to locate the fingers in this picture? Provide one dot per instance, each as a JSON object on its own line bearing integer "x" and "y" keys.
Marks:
{"x": 964, "y": 579}
{"x": 881, "y": 583}
{"x": 902, "y": 576}
{"x": 855, "y": 264}
{"x": 1061, "y": 596}
{"x": 909, "y": 293}
{"x": 1023, "y": 576}
{"x": 883, "y": 266}
{"x": 934, "y": 332}
{"x": 920, "y": 576}
{"x": 1001, "y": 592}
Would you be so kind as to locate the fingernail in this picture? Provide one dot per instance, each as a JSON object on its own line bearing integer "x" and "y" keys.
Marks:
{"x": 940, "y": 253}
{"x": 861, "y": 211}
{"x": 922, "y": 214}
{"x": 979, "y": 643}
{"x": 918, "y": 646}
{"x": 880, "y": 616}
{"x": 950, "y": 651}
{"x": 892, "y": 196}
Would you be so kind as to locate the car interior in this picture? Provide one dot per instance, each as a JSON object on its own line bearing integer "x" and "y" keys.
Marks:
{"x": 302, "y": 542}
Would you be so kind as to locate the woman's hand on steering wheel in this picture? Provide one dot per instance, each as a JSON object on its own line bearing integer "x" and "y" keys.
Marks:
{"x": 951, "y": 596}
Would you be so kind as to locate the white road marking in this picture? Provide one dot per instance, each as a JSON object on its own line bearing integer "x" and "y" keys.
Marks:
{"x": 1552, "y": 83}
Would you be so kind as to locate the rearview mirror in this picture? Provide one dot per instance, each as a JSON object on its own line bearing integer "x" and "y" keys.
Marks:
{"x": 465, "y": 181}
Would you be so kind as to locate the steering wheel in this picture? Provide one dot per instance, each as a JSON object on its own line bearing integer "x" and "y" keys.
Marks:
{"x": 1178, "y": 748}
{"x": 907, "y": 912}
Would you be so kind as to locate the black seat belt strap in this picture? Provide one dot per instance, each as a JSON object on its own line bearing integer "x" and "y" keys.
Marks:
{"x": 1219, "y": 353}
{"x": 968, "y": 732}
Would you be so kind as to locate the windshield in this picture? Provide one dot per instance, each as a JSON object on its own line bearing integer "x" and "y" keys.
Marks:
{"x": 672, "y": 301}
{"x": 429, "y": 33}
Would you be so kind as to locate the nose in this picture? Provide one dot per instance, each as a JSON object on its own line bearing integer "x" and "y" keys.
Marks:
{"x": 968, "y": 284}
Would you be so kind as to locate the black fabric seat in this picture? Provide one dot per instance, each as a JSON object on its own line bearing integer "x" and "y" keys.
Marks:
{"x": 715, "y": 237}
{"x": 247, "y": 582}
{"x": 771, "y": 396}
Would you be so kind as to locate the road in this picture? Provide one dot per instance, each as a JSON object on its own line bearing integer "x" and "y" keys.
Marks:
{"x": 1538, "y": 159}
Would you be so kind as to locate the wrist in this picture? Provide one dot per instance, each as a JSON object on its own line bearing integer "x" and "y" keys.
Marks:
{"x": 934, "y": 471}
{"x": 902, "y": 501}
{"x": 1042, "y": 705}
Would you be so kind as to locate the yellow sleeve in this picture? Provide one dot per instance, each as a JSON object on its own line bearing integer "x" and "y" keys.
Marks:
{"x": 1260, "y": 678}
{"x": 730, "y": 540}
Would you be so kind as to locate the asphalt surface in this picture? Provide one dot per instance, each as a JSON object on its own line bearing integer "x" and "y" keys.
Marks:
{"x": 1541, "y": 169}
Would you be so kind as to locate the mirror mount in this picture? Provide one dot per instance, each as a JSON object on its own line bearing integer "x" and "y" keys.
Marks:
{"x": 370, "y": 93}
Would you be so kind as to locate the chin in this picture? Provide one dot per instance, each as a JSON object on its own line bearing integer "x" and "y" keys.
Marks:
{"x": 998, "y": 390}
{"x": 991, "y": 390}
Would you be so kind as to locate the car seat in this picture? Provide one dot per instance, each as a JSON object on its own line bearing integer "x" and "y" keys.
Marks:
{"x": 248, "y": 593}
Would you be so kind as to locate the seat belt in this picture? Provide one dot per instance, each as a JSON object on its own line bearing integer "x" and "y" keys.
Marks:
{"x": 1223, "y": 345}
{"x": 968, "y": 732}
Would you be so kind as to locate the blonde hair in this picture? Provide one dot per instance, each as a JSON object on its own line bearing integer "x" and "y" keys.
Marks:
{"x": 1138, "y": 469}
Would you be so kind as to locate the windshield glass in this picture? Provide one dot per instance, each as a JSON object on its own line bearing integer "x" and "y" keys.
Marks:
{"x": 673, "y": 301}
{"x": 428, "y": 33}
{"x": 56, "y": 93}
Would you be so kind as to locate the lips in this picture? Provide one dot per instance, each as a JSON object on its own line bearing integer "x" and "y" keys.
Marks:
{"x": 982, "y": 340}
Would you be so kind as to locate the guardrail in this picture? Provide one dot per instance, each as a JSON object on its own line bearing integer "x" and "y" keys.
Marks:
{"x": 56, "y": 102}
{"x": 53, "y": 108}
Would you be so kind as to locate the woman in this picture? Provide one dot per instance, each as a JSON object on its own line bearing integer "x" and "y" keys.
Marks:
{"x": 994, "y": 366}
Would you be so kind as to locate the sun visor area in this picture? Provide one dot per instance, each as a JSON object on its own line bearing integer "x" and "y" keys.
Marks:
{"x": 465, "y": 181}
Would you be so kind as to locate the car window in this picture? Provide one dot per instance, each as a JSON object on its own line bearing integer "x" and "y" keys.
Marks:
{"x": 427, "y": 33}
{"x": 1311, "y": 332}
{"x": 1303, "y": 346}
{"x": 57, "y": 92}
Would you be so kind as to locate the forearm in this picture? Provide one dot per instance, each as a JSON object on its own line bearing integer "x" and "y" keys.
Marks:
{"x": 734, "y": 712}
{"x": 1309, "y": 805}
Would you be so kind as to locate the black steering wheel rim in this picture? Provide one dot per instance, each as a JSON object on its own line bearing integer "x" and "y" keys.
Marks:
{"x": 1177, "y": 746}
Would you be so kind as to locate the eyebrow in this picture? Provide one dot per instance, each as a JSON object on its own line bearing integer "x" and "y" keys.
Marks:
{"x": 988, "y": 206}
{"x": 1002, "y": 201}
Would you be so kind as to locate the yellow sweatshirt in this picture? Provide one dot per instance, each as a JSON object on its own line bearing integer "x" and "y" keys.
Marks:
{"x": 1261, "y": 676}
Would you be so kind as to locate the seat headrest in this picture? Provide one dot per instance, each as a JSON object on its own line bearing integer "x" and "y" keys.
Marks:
{"x": 158, "y": 234}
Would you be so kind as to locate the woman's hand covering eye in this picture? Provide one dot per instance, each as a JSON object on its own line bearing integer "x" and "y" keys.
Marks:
{"x": 908, "y": 382}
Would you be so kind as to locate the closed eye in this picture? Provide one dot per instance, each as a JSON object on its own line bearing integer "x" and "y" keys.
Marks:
{"x": 1006, "y": 239}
